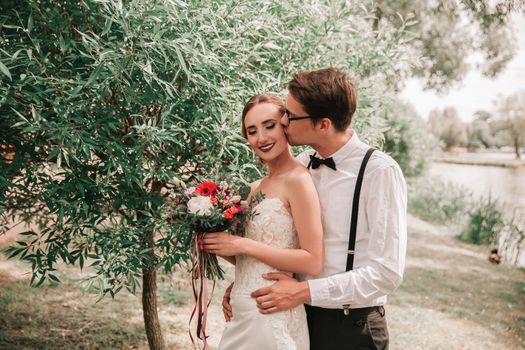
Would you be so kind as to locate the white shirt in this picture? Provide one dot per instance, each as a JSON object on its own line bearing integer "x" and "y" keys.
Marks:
{"x": 381, "y": 236}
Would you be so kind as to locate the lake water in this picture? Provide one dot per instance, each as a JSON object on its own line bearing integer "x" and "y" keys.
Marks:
{"x": 505, "y": 184}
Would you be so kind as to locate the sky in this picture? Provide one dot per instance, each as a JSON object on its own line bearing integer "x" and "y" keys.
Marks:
{"x": 475, "y": 92}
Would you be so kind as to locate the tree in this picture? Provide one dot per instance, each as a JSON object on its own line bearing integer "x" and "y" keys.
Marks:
{"x": 443, "y": 40}
{"x": 406, "y": 138}
{"x": 510, "y": 120}
{"x": 447, "y": 127}
{"x": 111, "y": 104}
{"x": 479, "y": 131}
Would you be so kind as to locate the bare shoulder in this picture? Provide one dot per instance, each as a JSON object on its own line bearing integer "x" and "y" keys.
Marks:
{"x": 299, "y": 172}
{"x": 298, "y": 177}
{"x": 254, "y": 186}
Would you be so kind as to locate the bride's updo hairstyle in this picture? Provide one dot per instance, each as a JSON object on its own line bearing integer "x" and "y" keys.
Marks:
{"x": 259, "y": 99}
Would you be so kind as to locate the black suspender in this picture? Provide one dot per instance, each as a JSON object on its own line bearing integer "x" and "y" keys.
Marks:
{"x": 353, "y": 222}
{"x": 355, "y": 211}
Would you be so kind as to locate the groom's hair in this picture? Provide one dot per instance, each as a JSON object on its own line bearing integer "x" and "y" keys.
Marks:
{"x": 325, "y": 93}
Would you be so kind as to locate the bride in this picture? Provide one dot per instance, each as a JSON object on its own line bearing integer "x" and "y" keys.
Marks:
{"x": 285, "y": 235}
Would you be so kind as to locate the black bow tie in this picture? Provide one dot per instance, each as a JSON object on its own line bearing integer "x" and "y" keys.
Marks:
{"x": 316, "y": 162}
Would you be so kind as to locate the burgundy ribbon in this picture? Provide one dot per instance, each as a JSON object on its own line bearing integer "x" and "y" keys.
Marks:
{"x": 198, "y": 275}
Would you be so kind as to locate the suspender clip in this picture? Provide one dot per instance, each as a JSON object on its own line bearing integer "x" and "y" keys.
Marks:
{"x": 351, "y": 252}
{"x": 346, "y": 309}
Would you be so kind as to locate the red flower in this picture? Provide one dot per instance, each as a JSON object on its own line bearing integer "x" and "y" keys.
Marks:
{"x": 214, "y": 200}
{"x": 206, "y": 189}
{"x": 232, "y": 211}
{"x": 236, "y": 208}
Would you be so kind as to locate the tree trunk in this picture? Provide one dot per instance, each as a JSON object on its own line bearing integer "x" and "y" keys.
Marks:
{"x": 149, "y": 307}
{"x": 517, "y": 148}
{"x": 149, "y": 289}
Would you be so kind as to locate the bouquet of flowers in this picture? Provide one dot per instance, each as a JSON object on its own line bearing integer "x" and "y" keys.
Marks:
{"x": 212, "y": 208}
{"x": 208, "y": 207}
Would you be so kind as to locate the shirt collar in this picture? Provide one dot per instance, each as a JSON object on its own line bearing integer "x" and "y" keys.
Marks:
{"x": 346, "y": 149}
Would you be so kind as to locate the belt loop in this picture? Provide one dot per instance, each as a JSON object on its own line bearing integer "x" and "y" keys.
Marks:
{"x": 346, "y": 309}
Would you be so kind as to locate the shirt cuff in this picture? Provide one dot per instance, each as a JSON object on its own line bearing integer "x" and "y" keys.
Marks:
{"x": 319, "y": 291}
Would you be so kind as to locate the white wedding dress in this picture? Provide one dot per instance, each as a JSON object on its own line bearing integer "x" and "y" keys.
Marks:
{"x": 249, "y": 329}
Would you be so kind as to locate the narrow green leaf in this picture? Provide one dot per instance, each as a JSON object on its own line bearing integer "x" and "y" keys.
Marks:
{"x": 4, "y": 70}
{"x": 182, "y": 62}
{"x": 28, "y": 233}
{"x": 54, "y": 278}
{"x": 39, "y": 283}
{"x": 35, "y": 114}
{"x": 30, "y": 23}
{"x": 14, "y": 252}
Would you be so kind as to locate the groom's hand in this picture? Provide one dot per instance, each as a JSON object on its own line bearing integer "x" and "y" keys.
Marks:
{"x": 284, "y": 294}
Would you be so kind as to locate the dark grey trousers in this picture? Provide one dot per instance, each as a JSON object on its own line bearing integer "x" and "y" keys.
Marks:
{"x": 362, "y": 329}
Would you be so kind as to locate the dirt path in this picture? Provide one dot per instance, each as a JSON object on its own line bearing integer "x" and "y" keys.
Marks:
{"x": 451, "y": 298}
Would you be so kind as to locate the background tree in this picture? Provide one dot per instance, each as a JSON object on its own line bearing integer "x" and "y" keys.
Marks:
{"x": 406, "y": 137}
{"x": 509, "y": 122}
{"x": 447, "y": 32}
{"x": 447, "y": 127}
{"x": 111, "y": 104}
{"x": 479, "y": 131}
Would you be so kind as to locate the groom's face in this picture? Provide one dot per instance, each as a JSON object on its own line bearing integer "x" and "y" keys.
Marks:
{"x": 299, "y": 131}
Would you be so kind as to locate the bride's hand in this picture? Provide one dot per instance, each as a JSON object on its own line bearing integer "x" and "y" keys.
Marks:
{"x": 223, "y": 244}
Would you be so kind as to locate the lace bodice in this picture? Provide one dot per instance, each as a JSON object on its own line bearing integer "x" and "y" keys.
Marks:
{"x": 272, "y": 225}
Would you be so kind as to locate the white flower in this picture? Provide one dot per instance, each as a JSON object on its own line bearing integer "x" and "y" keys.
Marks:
{"x": 200, "y": 205}
{"x": 236, "y": 199}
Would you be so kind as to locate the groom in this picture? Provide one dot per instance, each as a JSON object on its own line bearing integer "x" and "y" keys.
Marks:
{"x": 364, "y": 220}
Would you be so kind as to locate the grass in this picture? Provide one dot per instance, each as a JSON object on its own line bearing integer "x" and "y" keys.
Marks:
{"x": 459, "y": 281}
{"x": 64, "y": 316}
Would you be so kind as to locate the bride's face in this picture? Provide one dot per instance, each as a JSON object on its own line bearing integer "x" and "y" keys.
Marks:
{"x": 265, "y": 132}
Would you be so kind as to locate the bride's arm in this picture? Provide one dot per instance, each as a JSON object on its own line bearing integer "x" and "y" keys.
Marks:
{"x": 306, "y": 213}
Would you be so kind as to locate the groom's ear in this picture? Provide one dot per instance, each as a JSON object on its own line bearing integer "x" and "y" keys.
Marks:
{"x": 324, "y": 125}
